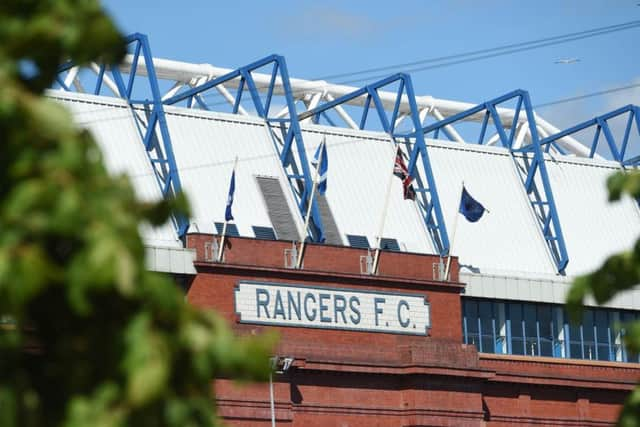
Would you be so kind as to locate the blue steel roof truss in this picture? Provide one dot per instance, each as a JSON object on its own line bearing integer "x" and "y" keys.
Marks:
{"x": 429, "y": 201}
{"x": 617, "y": 149}
{"x": 530, "y": 163}
{"x": 149, "y": 117}
{"x": 285, "y": 131}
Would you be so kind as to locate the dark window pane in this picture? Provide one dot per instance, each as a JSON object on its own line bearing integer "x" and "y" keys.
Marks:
{"x": 485, "y": 311}
{"x": 517, "y": 346}
{"x": 575, "y": 342}
{"x": 529, "y": 312}
{"x": 544, "y": 321}
{"x": 546, "y": 348}
{"x": 515, "y": 314}
{"x": 517, "y": 338}
{"x": 602, "y": 334}
{"x": 588, "y": 335}
{"x": 471, "y": 310}
{"x": 488, "y": 345}
{"x": 587, "y": 326}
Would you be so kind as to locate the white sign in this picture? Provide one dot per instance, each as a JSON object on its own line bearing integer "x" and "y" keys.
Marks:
{"x": 331, "y": 308}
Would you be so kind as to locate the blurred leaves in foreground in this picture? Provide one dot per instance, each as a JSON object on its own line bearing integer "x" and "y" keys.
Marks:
{"x": 88, "y": 337}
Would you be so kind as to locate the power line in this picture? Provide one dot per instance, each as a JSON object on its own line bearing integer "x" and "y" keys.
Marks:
{"x": 588, "y": 95}
{"x": 500, "y": 53}
{"x": 583, "y": 34}
{"x": 470, "y": 56}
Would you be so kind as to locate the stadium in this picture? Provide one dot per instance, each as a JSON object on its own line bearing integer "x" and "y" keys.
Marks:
{"x": 394, "y": 307}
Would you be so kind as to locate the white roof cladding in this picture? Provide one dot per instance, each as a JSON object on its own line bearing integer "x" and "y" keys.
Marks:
{"x": 111, "y": 122}
{"x": 505, "y": 242}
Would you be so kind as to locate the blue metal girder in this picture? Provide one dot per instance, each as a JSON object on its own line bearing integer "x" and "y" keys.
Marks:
{"x": 617, "y": 149}
{"x": 430, "y": 206}
{"x": 541, "y": 199}
{"x": 154, "y": 133}
{"x": 301, "y": 183}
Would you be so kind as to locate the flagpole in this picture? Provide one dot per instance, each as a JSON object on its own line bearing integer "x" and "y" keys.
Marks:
{"x": 224, "y": 226}
{"x": 376, "y": 257}
{"x": 307, "y": 218}
{"x": 453, "y": 237}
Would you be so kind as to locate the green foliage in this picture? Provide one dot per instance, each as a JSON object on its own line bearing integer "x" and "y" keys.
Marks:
{"x": 618, "y": 273}
{"x": 95, "y": 339}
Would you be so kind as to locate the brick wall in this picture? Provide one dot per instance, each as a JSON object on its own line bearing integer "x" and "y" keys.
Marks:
{"x": 349, "y": 378}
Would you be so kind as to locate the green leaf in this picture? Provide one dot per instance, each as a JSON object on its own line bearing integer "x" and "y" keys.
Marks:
{"x": 147, "y": 362}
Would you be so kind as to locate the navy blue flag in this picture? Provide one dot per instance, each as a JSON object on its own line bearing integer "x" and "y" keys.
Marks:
{"x": 228, "y": 216}
{"x": 324, "y": 166}
{"x": 470, "y": 207}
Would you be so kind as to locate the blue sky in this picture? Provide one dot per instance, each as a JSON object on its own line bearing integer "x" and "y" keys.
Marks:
{"x": 335, "y": 37}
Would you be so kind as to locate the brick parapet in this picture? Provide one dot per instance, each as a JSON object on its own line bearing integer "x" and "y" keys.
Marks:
{"x": 320, "y": 258}
{"x": 352, "y": 378}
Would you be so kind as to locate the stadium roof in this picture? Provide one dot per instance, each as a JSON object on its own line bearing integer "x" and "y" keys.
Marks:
{"x": 506, "y": 240}
{"x": 508, "y": 254}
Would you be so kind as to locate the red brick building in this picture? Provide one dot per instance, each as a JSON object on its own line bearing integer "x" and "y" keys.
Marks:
{"x": 354, "y": 378}
{"x": 400, "y": 346}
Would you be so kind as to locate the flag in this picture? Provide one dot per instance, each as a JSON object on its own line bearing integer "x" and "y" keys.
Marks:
{"x": 321, "y": 151}
{"x": 228, "y": 216}
{"x": 400, "y": 170}
{"x": 470, "y": 208}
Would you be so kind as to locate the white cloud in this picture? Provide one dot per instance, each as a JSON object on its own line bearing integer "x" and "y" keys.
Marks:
{"x": 332, "y": 22}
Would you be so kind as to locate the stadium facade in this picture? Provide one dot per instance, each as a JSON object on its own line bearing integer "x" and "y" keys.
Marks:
{"x": 389, "y": 336}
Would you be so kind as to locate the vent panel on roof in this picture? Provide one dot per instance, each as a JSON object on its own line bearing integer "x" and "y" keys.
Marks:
{"x": 389, "y": 244}
{"x": 232, "y": 230}
{"x": 358, "y": 241}
{"x": 331, "y": 233}
{"x": 277, "y": 208}
{"x": 264, "y": 233}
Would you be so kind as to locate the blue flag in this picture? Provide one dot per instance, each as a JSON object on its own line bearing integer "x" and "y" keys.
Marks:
{"x": 470, "y": 207}
{"x": 228, "y": 216}
{"x": 324, "y": 166}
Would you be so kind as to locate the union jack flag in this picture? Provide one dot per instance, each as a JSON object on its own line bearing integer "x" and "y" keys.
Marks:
{"x": 400, "y": 170}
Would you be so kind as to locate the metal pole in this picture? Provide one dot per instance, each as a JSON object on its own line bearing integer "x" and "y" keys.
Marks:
{"x": 376, "y": 257}
{"x": 273, "y": 409}
{"x": 306, "y": 220}
{"x": 221, "y": 248}
{"x": 453, "y": 237}
{"x": 224, "y": 227}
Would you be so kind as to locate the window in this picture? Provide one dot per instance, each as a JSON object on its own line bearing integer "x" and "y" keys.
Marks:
{"x": 545, "y": 329}
{"x": 470, "y": 323}
{"x": 588, "y": 335}
{"x": 486, "y": 323}
{"x": 575, "y": 340}
{"x": 534, "y": 329}
{"x": 627, "y": 317}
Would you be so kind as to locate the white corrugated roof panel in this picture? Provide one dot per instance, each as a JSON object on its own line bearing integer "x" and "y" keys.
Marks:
{"x": 205, "y": 145}
{"x": 507, "y": 241}
{"x": 507, "y": 238}
{"x": 360, "y": 171}
{"x": 593, "y": 228}
{"x": 111, "y": 123}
